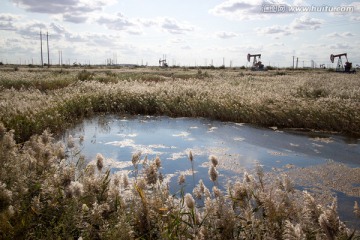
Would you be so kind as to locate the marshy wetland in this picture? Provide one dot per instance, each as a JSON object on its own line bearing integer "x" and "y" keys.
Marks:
{"x": 288, "y": 142}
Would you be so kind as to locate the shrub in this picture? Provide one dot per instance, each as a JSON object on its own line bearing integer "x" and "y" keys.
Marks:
{"x": 280, "y": 73}
{"x": 85, "y": 75}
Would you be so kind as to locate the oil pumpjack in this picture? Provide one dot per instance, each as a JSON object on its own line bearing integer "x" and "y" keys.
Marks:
{"x": 257, "y": 65}
{"x": 339, "y": 66}
{"x": 162, "y": 62}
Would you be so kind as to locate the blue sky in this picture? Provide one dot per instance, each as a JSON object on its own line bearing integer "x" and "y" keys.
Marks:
{"x": 188, "y": 32}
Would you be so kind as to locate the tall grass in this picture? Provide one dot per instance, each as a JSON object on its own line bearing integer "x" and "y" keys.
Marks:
{"x": 324, "y": 101}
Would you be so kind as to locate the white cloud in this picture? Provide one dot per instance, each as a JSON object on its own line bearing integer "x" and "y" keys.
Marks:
{"x": 76, "y": 37}
{"x": 18, "y": 46}
{"x": 59, "y": 29}
{"x": 120, "y": 22}
{"x": 298, "y": 24}
{"x": 276, "y": 29}
{"x": 340, "y": 46}
{"x": 315, "y": 46}
{"x": 30, "y": 29}
{"x": 275, "y": 45}
{"x": 116, "y": 22}
{"x": 186, "y": 47}
{"x": 177, "y": 40}
{"x": 167, "y": 24}
{"x": 299, "y": 3}
{"x": 339, "y": 35}
{"x": 74, "y": 11}
{"x": 9, "y": 17}
{"x": 306, "y": 23}
{"x": 240, "y": 49}
{"x": 147, "y": 22}
{"x": 226, "y": 35}
{"x": 134, "y": 31}
{"x": 243, "y": 9}
{"x": 7, "y": 21}
{"x": 74, "y": 18}
{"x": 56, "y": 7}
{"x": 172, "y": 26}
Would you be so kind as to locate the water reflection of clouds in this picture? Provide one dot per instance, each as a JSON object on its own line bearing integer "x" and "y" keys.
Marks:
{"x": 198, "y": 151}
{"x": 184, "y": 135}
{"x": 132, "y": 135}
{"x": 317, "y": 145}
{"x": 240, "y": 139}
{"x": 190, "y": 139}
{"x": 274, "y": 153}
{"x": 123, "y": 143}
{"x": 181, "y": 134}
{"x": 244, "y": 143}
{"x": 212, "y": 129}
{"x": 176, "y": 156}
{"x": 144, "y": 149}
{"x": 188, "y": 172}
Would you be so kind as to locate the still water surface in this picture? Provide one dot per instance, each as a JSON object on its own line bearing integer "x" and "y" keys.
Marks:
{"x": 238, "y": 147}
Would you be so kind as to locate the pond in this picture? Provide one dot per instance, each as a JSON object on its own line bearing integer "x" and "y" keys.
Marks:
{"x": 326, "y": 165}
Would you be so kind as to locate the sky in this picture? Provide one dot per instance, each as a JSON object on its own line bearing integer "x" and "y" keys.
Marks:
{"x": 187, "y": 32}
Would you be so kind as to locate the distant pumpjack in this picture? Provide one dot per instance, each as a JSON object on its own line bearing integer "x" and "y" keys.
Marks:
{"x": 162, "y": 62}
{"x": 257, "y": 65}
{"x": 339, "y": 66}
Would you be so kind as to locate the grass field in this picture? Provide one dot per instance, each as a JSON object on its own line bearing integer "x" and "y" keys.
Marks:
{"x": 46, "y": 191}
{"x": 35, "y": 99}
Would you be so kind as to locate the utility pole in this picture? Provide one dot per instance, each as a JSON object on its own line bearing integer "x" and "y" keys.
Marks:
{"x": 293, "y": 62}
{"x": 297, "y": 61}
{"x": 47, "y": 40}
{"x": 42, "y": 60}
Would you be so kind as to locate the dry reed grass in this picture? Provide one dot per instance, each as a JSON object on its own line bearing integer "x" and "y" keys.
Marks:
{"x": 46, "y": 191}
